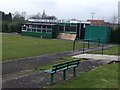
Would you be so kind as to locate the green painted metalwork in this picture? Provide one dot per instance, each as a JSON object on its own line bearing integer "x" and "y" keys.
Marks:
{"x": 68, "y": 24}
{"x": 37, "y": 34}
{"x": 64, "y": 74}
{"x": 55, "y": 31}
{"x": 52, "y": 78}
{"x": 63, "y": 67}
{"x": 74, "y": 71}
{"x": 71, "y": 32}
{"x": 96, "y": 33}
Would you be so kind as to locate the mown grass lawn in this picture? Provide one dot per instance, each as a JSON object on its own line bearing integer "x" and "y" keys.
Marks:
{"x": 16, "y": 46}
{"x": 102, "y": 77}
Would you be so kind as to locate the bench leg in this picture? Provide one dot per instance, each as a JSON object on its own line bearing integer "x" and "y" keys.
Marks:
{"x": 52, "y": 78}
{"x": 64, "y": 74}
{"x": 74, "y": 71}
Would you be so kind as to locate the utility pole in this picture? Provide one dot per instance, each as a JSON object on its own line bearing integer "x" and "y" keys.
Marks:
{"x": 119, "y": 12}
{"x": 92, "y": 15}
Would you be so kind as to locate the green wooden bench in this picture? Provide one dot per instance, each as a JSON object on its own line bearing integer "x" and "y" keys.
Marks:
{"x": 63, "y": 67}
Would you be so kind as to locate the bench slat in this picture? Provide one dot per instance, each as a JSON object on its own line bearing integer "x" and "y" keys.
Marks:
{"x": 72, "y": 66}
{"x": 49, "y": 71}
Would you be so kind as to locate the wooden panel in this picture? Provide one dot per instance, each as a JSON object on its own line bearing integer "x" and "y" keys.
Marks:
{"x": 66, "y": 36}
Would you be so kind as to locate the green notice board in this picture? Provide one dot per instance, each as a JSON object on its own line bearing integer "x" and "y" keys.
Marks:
{"x": 98, "y": 32}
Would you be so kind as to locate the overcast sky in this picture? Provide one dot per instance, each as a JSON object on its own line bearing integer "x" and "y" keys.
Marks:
{"x": 64, "y": 9}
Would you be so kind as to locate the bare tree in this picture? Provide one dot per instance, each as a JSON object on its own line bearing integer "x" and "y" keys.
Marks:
{"x": 19, "y": 16}
{"x": 37, "y": 16}
{"x": 51, "y": 17}
{"x": 43, "y": 16}
{"x": 24, "y": 14}
{"x": 114, "y": 19}
{"x": 16, "y": 15}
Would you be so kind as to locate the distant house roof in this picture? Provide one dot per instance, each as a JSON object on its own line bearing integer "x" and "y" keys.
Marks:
{"x": 96, "y": 21}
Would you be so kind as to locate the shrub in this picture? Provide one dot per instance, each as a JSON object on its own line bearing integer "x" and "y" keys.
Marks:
{"x": 5, "y": 26}
{"x": 14, "y": 26}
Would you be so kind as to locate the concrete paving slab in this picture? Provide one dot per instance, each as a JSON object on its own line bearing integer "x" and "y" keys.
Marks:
{"x": 98, "y": 57}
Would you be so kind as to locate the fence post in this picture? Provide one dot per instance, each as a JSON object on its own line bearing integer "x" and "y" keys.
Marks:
{"x": 102, "y": 48}
{"x": 88, "y": 44}
{"x": 83, "y": 46}
{"x": 73, "y": 45}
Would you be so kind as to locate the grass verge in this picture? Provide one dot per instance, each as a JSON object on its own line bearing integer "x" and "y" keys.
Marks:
{"x": 102, "y": 77}
{"x": 109, "y": 51}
